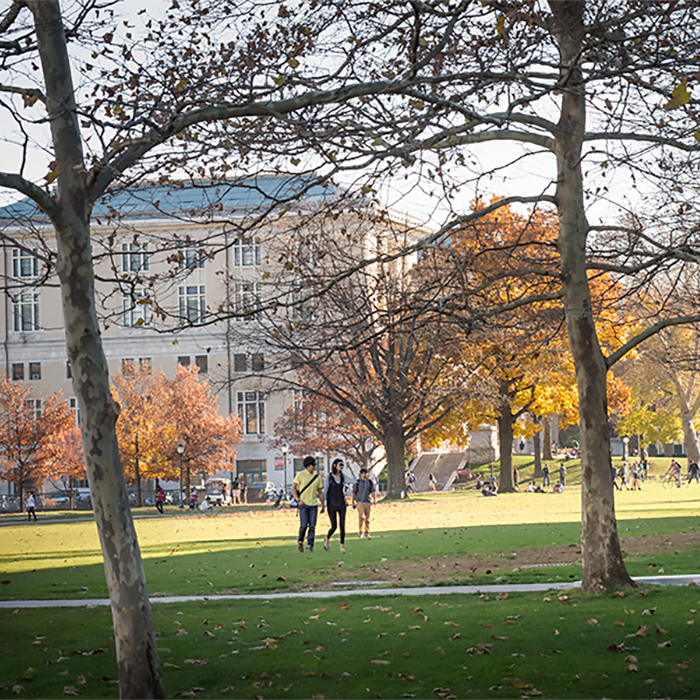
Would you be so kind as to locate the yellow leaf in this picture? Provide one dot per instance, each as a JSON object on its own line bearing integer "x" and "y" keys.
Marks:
{"x": 51, "y": 176}
{"x": 293, "y": 63}
{"x": 500, "y": 25}
{"x": 679, "y": 96}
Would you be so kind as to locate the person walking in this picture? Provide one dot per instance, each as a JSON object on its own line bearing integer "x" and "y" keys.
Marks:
{"x": 337, "y": 506}
{"x": 236, "y": 492}
{"x": 160, "y": 498}
{"x": 363, "y": 495}
{"x": 308, "y": 491}
{"x": 432, "y": 486}
{"x": 244, "y": 492}
{"x": 30, "y": 507}
{"x": 693, "y": 472}
{"x": 562, "y": 475}
{"x": 516, "y": 476}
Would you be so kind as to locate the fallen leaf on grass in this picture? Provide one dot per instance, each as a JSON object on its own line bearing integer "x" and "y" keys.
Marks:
{"x": 80, "y": 680}
{"x": 344, "y": 606}
{"x": 660, "y": 630}
{"x": 618, "y": 623}
{"x": 632, "y": 667}
{"x": 451, "y": 624}
{"x": 649, "y": 611}
{"x": 592, "y": 621}
{"x": 664, "y": 644}
{"x": 641, "y": 632}
{"x": 501, "y": 596}
{"x": 649, "y": 681}
{"x": 497, "y": 638}
{"x": 207, "y": 633}
{"x": 564, "y": 599}
{"x": 617, "y": 647}
{"x": 181, "y": 633}
{"x": 69, "y": 690}
{"x": 197, "y": 662}
{"x": 167, "y": 664}
{"x": 631, "y": 659}
{"x": 281, "y": 578}
{"x": 18, "y": 689}
{"x": 382, "y": 662}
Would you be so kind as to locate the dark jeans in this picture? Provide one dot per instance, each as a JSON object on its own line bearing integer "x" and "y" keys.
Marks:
{"x": 31, "y": 513}
{"x": 546, "y": 481}
{"x": 335, "y": 515}
{"x": 307, "y": 519}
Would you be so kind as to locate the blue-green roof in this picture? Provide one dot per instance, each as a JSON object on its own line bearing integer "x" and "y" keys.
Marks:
{"x": 195, "y": 198}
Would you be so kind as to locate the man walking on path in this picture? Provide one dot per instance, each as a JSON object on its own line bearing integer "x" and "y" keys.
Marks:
{"x": 363, "y": 495}
{"x": 307, "y": 489}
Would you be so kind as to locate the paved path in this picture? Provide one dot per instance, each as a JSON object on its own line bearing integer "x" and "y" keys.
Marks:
{"x": 681, "y": 580}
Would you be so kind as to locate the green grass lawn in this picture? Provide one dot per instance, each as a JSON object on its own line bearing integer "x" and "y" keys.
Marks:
{"x": 469, "y": 646}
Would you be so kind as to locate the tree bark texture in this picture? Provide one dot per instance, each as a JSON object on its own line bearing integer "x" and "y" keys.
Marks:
{"x": 137, "y": 657}
{"x": 537, "y": 442}
{"x": 394, "y": 445}
{"x": 602, "y": 564}
{"x": 505, "y": 448}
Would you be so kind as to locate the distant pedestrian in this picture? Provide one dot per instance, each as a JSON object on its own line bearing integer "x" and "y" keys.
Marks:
{"x": 562, "y": 475}
{"x": 546, "y": 481}
{"x": 194, "y": 497}
{"x": 614, "y": 478}
{"x": 634, "y": 474}
{"x": 432, "y": 485}
{"x": 363, "y": 495}
{"x": 244, "y": 492}
{"x": 236, "y": 492}
{"x": 516, "y": 476}
{"x": 30, "y": 507}
{"x": 160, "y": 498}
{"x": 693, "y": 472}
{"x": 308, "y": 491}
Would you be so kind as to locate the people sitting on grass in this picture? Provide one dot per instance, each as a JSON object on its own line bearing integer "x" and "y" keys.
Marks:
{"x": 206, "y": 505}
{"x": 532, "y": 487}
{"x": 558, "y": 487}
{"x": 490, "y": 489}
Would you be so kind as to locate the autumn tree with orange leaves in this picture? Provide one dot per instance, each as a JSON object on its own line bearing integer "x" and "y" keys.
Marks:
{"x": 31, "y": 433}
{"x": 210, "y": 439}
{"x": 144, "y": 429}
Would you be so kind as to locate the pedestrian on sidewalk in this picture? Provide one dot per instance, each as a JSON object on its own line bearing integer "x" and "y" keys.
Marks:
{"x": 308, "y": 491}
{"x": 160, "y": 498}
{"x": 363, "y": 496}
{"x": 30, "y": 506}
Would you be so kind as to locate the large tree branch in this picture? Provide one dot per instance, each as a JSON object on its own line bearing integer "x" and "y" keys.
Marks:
{"x": 648, "y": 333}
{"x": 42, "y": 198}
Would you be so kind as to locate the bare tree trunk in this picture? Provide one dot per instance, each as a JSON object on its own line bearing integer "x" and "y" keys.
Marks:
{"x": 690, "y": 435}
{"x": 394, "y": 446}
{"x": 505, "y": 448}
{"x": 602, "y": 564}
{"x": 547, "y": 439}
{"x": 537, "y": 442}
{"x": 137, "y": 657}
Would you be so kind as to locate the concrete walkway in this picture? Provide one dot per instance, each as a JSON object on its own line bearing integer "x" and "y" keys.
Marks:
{"x": 680, "y": 580}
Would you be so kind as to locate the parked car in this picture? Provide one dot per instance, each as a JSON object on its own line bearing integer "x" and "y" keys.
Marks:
{"x": 219, "y": 490}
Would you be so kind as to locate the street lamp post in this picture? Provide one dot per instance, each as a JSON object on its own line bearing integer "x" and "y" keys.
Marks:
{"x": 626, "y": 449}
{"x": 285, "y": 449}
{"x": 180, "y": 451}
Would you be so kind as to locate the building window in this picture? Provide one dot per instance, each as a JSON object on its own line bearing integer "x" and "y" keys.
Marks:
{"x": 135, "y": 257}
{"x": 192, "y": 303}
{"x": 240, "y": 363}
{"x": 258, "y": 362}
{"x": 69, "y": 371}
{"x": 127, "y": 365}
{"x": 136, "y": 308}
{"x": 18, "y": 371}
{"x": 192, "y": 258}
{"x": 145, "y": 364}
{"x": 246, "y": 252}
{"x": 73, "y": 405}
{"x": 25, "y": 263}
{"x": 184, "y": 360}
{"x": 35, "y": 370}
{"x": 202, "y": 361}
{"x": 246, "y": 300}
{"x": 252, "y": 471}
{"x": 25, "y": 310}
{"x": 251, "y": 411}
{"x": 34, "y": 406}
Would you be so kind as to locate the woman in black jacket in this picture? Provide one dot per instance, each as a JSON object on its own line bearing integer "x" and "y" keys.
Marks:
{"x": 334, "y": 497}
